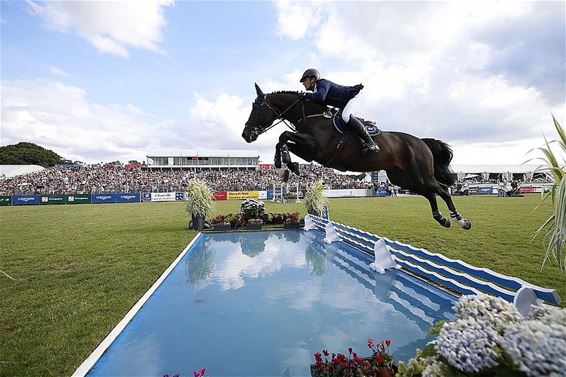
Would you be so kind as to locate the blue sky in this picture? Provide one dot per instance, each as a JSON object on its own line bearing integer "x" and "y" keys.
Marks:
{"x": 101, "y": 81}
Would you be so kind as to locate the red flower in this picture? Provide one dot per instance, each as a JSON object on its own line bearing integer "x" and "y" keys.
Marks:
{"x": 378, "y": 358}
{"x": 325, "y": 352}
{"x": 370, "y": 343}
{"x": 388, "y": 342}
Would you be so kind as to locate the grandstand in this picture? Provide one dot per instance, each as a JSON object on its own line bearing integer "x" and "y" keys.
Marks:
{"x": 203, "y": 160}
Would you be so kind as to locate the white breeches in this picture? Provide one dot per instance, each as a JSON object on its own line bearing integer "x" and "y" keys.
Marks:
{"x": 350, "y": 108}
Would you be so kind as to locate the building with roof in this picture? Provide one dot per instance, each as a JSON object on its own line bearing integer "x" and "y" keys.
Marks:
{"x": 203, "y": 160}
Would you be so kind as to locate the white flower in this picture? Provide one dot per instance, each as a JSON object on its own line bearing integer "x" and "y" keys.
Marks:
{"x": 435, "y": 368}
{"x": 468, "y": 344}
{"x": 536, "y": 347}
{"x": 494, "y": 310}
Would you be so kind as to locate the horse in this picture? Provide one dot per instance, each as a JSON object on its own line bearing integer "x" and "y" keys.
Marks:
{"x": 418, "y": 165}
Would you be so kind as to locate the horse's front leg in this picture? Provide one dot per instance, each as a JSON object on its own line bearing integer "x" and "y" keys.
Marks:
{"x": 277, "y": 158}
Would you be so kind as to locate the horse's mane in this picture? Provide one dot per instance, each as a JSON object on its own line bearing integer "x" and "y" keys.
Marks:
{"x": 286, "y": 92}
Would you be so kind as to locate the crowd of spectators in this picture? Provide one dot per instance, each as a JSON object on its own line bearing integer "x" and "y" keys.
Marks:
{"x": 116, "y": 177}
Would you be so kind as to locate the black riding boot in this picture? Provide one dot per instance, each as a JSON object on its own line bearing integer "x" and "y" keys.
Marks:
{"x": 360, "y": 130}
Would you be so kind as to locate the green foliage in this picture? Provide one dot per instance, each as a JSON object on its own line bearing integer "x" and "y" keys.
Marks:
{"x": 28, "y": 154}
{"x": 314, "y": 198}
{"x": 555, "y": 226}
{"x": 199, "y": 198}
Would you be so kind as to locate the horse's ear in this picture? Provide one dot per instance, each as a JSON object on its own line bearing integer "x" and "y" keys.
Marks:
{"x": 258, "y": 91}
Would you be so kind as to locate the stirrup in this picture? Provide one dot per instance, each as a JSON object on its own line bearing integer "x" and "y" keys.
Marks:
{"x": 370, "y": 148}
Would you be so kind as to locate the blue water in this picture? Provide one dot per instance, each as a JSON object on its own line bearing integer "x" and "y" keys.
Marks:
{"x": 262, "y": 303}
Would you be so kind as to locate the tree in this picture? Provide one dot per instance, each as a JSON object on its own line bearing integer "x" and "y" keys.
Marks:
{"x": 28, "y": 154}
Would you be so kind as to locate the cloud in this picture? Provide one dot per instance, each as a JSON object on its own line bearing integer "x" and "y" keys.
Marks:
{"x": 478, "y": 74}
{"x": 111, "y": 27}
{"x": 61, "y": 118}
{"x": 58, "y": 72}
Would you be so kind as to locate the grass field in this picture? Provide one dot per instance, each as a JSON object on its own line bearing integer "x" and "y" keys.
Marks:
{"x": 80, "y": 268}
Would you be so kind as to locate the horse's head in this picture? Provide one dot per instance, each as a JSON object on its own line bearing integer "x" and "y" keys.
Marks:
{"x": 261, "y": 117}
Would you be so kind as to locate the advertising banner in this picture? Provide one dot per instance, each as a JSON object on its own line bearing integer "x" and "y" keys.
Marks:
{"x": 146, "y": 197}
{"x": 526, "y": 189}
{"x": 179, "y": 196}
{"x": 24, "y": 200}
{"x": 243, "y": 194}
{"x": 220, "y": 195}
{"x": 270, "y": 194}
{"x": 163, "y": 196}
{"x": 54, "y": 199}
{"x": 103, "y": 198}
{"x": 133, "y": 197}
{"x": 262, "y": 195}
{"x": 79, "y": 199}
{"x": 485, "y": 190}
{"x": 5, "y": 200}
{"x": 341, "y": 193}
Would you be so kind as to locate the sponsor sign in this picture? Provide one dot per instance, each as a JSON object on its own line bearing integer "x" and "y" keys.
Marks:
{"x": 5, "y": 200}
{"x": 54, "y": 199}
{"x": 128, "y": 198}
{"x": 220, "y": 195}
{"x": 163, "y": 196}
{"x": 262, "y": 195}
{"x": 526, "y": 189}
{"x": 103, "y": 198}
{"x": 243, "y": 194}
{"x": 146, "y": 197}
{"x": 24, "y": 200}
{"x": 270, "y": 194}
{"x": 485, "y": 190}
{"x": 78, "y": 199}
{"x": 179, "y": 196}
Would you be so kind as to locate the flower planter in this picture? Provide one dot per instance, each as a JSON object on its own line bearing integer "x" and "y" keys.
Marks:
{"x": 293, "y": 225}
{"x": 253, "y": 227}
{"x": 222, "y": 227}
{"x": 197, "y": 222}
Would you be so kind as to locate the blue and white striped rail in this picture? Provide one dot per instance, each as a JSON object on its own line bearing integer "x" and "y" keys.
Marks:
{"x": 457, "y": 275}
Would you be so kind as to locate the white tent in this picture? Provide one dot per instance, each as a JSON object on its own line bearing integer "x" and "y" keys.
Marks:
{"x": 9, "y": 171}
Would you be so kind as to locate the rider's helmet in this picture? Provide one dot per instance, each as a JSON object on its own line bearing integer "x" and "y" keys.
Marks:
{"x": 309, "y": 73}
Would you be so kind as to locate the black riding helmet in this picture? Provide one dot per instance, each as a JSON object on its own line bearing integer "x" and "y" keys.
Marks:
{"x": 309, "y": 73}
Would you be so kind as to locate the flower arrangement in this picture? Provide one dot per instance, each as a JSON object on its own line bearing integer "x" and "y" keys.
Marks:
{"x": 314, "y": 198}
{"x": 252, "y": 209}
{"x": 199, "y": 201}
{"x": 292, "y": 217}
{"x": 379, "y": 364}
{"x": 490, "y": 337}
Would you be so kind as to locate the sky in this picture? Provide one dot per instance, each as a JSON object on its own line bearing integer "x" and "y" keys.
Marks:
{"x": 118, "y": 80}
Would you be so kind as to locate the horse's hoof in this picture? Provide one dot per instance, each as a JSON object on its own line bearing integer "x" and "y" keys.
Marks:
{"x": 465, "y": 224}
{"x": 446, "y": 223}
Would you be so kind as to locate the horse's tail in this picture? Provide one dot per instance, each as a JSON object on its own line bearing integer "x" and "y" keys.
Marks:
{"x": 442, "y": 156}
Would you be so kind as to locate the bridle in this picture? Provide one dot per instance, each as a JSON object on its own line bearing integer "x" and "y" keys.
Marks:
{"x": 257, "y": 129}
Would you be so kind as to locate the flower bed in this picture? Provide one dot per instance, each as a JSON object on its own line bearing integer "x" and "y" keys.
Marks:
{"x": 239, "y": 221}
{"x": 491, "y": 338}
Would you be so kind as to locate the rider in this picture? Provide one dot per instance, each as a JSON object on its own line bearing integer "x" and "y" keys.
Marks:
{"x": 328, "y": 93}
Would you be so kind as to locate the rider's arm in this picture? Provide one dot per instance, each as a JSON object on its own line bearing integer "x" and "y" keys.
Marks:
{"x": 319, "y": 95}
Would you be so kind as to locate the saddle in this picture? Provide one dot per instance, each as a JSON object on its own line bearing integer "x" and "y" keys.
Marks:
{"x": 341, "y": 126}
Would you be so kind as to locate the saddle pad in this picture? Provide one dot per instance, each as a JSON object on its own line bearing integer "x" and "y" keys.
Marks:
{"x": 341, "y": 126}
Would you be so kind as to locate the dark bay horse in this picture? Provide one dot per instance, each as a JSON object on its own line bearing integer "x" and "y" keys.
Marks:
{"x": 419, "y": 165}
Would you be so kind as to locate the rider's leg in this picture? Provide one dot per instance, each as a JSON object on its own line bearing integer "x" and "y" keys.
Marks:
{"x": 358, "y": 127}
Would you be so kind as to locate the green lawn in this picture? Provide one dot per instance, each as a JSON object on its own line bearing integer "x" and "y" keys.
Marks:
{"x": 80, "y": 268}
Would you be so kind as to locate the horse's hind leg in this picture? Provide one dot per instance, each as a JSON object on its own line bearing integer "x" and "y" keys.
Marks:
{"x": 445, "y": 222}
{"x": 445, "y": 195}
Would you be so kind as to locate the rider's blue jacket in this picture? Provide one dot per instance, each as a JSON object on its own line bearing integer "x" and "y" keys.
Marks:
{"x": 329, "y": 93}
